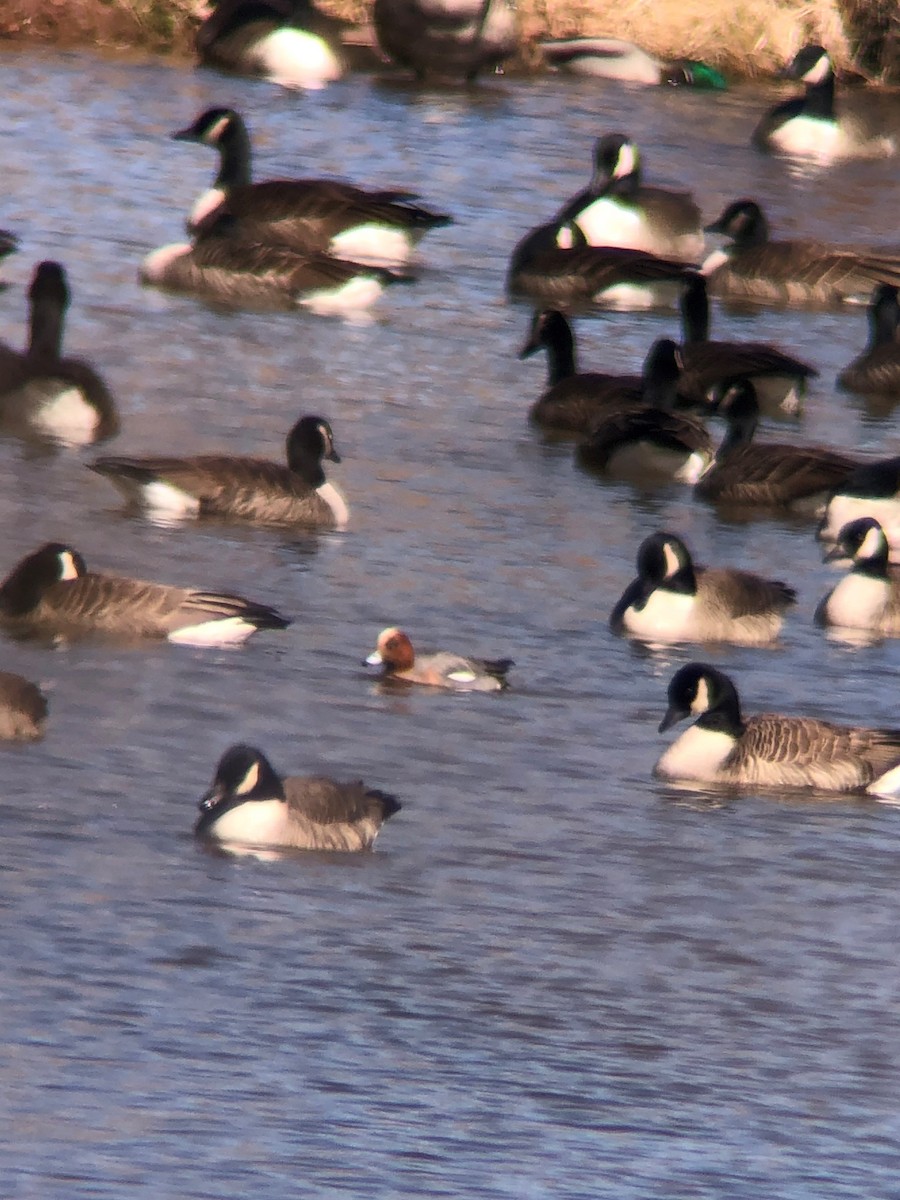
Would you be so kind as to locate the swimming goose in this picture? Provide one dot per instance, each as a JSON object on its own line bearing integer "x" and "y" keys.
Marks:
{"x": 381, "y": 228}
{"x": 674, "y": 600}
{"x": 226, "y": 267}
{"x": 250, "y": 804}
{"x": 617, "y": 209}
{"x": 753, "y": 266}
{"x": 613, "y": 58}
{"x": 769, "y": 474}
{"x": 23, "y": 709}
{"x": 240, "y": 489}
{"x": 573, "y": 400}
{"x": 769, "y": 750}
{"x": 650, "y": 437}
{"x": 868, "y": 597}
{"x": 8, "y": 244}
{"x": 446, "y": 39}
{"x": 51, "y": 593}
{"x": 443, "y": 669}
{"x": 807, "y": 126}
{"x": 44, "y": 394}
{"x": 290, "y": 42}
{"x": 877, "y": 369}
{"x": 872, "y": 490}
{"x": 780, "y": 380}
{"x": 555, "y": 265}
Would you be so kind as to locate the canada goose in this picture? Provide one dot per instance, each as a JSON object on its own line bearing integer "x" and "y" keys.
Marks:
{"x": 673, "y": 600}
{"x": 753, "y": 266}
{"x": 877, "y": 369}
{"x": 377, "y": 227}
{"x": 224, "y": 267}
{"x": 446, "y": 39}
{"x": 872, "y": 490}
{"x": 43, "y": 394}
{"x": 769, "y": 750}
{"x": 651, "y": 436}
{"x": 616, "y": 209}
{"x": 23, "y": 709}
{"x": 8, "y": 244}
{"x": 555, "y": 265}
{"x": 780, "y": 380}
{"x": 767, "y": 474}
{"x": 613, "y": 58}
{"x": 51, "y": 593}
{"x": 807, "y": 126}
{"x": 443, "y": 669}
{"x": 290, "y": 42}
{"x": 249, "y": 804}
{"x": 868, "y": 597}
{"x": 241, "y": 489}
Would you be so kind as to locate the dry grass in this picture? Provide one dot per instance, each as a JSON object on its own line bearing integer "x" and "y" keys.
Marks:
{"x": 743, "y": 37}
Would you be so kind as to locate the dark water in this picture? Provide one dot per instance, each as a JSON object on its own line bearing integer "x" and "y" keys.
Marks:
{"x": 555, "y": 977}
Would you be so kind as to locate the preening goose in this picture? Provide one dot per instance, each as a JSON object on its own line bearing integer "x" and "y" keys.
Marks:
{"x": 674, "y": 600}
{"x": 240, "y": 489}
{"x": 754, "y": 266}
{"x": 769, "y": 750}
{"x": 250, "y": 805}
{"x": 51, "y": 594}
{"x": 443, "y": 669}
{"x": 374, "y": 227}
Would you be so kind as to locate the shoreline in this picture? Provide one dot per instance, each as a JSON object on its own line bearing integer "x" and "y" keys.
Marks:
{"x": 862, "y": 36}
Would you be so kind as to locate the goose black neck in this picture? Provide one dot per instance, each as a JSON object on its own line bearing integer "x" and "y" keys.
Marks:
{"x": 695, "y": 311}
{"x": 235, "y": 156}
{"x": 884, "y": 317}
{"x": 46, "y": 328}
{"x": 560, "y": 346}
{"x": 819, "y": 98}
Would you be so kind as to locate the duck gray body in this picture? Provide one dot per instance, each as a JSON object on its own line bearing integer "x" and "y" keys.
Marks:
{"x": 769, "y": 750}
{"x": 249, "y": 804}
{"x": 52, "y": 594}
{"x": 23, "y": 709}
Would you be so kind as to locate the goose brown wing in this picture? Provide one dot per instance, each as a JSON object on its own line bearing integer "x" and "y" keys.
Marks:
{"x": 579, "y": 402}
{"x": 826, "y": 272}
{"x": 708, "y": 363}
{"x": 775, "y": 474}
{"x": 328, "y": 802}
{"x": 671, "y": 430}
{"x": 561, "y": 276}
{"x": 741, "y": 593}
{"x": 775, "y": 748}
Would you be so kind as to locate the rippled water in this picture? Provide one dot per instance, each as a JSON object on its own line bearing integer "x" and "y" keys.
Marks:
{"x": 555, "y": 977}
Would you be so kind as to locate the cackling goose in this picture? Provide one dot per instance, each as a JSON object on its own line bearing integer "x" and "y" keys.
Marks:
{"x": 446, "y": 39}
{"x": 51, "y": 593}
{"x": 769, "y": 750}
{"x": 250, "y": 805}
{"x": 443, "y": 669}
{"x": 23, "y": 709}
{"x": 42, "y": 393}
{"x": 807, "y": 126}
{"x": 877, "y": 369}
{"x": 780, "y": 380}
{"x": 290, "y": 42}
{"x": 240, "y": 489}
{"x": 555, "y": 265}
{"x": 868, "y": 597}
{"x": 767, "y": 474}
{"x": 752, "y": 266}
{"x": 377, "y": 227}
{"x": 674, "y": 600}
{"x": 616, "y": 209}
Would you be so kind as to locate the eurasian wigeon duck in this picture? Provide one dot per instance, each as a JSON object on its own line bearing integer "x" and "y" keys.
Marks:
{"x": 443, "y": 669}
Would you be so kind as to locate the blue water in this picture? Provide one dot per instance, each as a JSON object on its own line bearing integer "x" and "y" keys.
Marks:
{"x": 554, "y": 977}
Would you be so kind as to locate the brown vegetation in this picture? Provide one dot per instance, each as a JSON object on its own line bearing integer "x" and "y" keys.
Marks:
{"x": 746, "y": 37}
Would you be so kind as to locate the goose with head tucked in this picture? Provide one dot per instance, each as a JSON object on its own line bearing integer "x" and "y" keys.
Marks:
{"x": 443, "y": 669}
{"x": 767, "y": 474}
{"x": 752, "y": 266}
{"x": 675, "y": 600}
{"x": 250, "y": 805}
{"x": 868, "y": 597}
{"x": 554, "y": 265}
{"x": 769, "y": 750}
{"x": 780, "y": 379}
{"x": 239, "y": 489}
{"x": 290, "y": 42}
{"x": 650, "y": 437}
{"x": 51, "y": 594}
{"x": 452, "y": 40}
{"x": 23, "y": 709}
{"x": 227, "y": 267}
{"x": 808, "y": 126}
{"x": 43, "y": 393}
{"x": 877, "y": 369}
{"x": 618, "y": 209}
{"x": 381, "y": 228}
